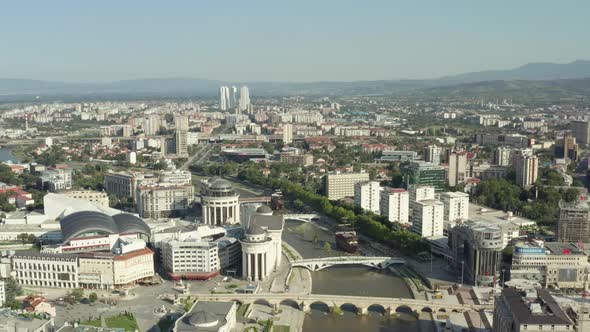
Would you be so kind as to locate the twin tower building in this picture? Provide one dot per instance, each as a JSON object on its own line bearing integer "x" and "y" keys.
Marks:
{"x": 261, "y": 244}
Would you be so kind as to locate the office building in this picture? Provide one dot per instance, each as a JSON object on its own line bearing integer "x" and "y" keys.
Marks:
{"x": 287, "y": 133}
{"x": 233, "y": 98}
{"x": 366, "y": 195}
{"x": 390, "y": 156}
{"x": 124, "y": 184}
{"x": 566, "y": 147}
{"x": 262, "y": 244}
{"x": 419, "y": 172}
{"x": 581, "y": 130}
{"x": 503, "y": 156}
{"x": 190, "y": 259}
{"x": 512, "y": 140}
{"x": 99, "y": 197}
{"x": 428, "y": 218}
{"x": 530, "y": 310}
{"x": 181, "y": 135}
{"x": 161, "y": 200}
{"x": 340, "y": 185}
{"x": 57, "y": 179}
{"x": 220, "y": 203}
{"x": 395, "y": 205}
{"x": 553, "y": 264}
{"x": 527, "y": 170}
{"x": 457, "y": 168}
{"x": 573, "y": 224}
{"x": 432, "y": 154}
{"x": 456, "y": 205}
{"x": 244, "y": 99}
{"x": 477, "y": 250}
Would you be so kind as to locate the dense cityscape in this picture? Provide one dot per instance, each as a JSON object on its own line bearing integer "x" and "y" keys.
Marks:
{"x": 308, "y": 166}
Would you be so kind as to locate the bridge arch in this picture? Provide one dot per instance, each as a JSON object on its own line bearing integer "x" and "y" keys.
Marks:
{"x": 426, "y": 309}
{"x": 320, "y": 306}
{"x": 263, "y": 302}
{"x": 376, "y": 308}
{"x": 442, "y": 310}
{"x": 350, "y": 307}
{"x": 290, "y": 303}
{"x": 404, "y": 309}
{"x": 238, "y": 301}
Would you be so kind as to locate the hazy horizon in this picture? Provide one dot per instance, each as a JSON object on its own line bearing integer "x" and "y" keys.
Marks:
{"x": 264, "y": 41}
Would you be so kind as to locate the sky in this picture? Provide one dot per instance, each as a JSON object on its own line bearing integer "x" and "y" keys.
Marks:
{"x": 301, "y": 40}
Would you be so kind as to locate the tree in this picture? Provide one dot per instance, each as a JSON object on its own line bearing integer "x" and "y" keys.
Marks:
{"x": 570, "y": 195}
{"x": 76, "y": 295}
{"x": 327, "y": 246}
{"x": 92, "y": 297}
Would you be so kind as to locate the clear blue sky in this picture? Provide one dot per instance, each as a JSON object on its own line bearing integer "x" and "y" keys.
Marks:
{"x": 282, "y": 40}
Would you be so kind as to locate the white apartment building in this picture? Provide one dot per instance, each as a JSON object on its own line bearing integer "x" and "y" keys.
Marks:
{"x": 366, "y": 195}
{"x": 287, "y": 133}
{"x": 428, "y": 218}
{"x": 340, "y": 185}
{"x": 99, "y": 197}
{"x": 419, "y": 193}
{"x": 190, "y": 258}
{"x": 2, "y": 293}
{"x": 395, "y": 204}
{"x": 503, "y": 156}
{"x": 456, "y": 208}
{"x": 527, "y": 170}
{"x": 432, "y": 154}
{"x": 161, "y": 200}
{"x": 55, "y": 180}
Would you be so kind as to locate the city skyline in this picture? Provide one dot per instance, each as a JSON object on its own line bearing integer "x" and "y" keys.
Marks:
{"x": 277, "y": 42}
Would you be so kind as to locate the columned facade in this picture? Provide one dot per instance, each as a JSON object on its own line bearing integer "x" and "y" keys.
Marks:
{"x": 257, "y": 255}
{"x": 220, "y": 204}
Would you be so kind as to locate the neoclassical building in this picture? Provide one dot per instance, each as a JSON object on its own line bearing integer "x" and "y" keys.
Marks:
{"x": 261, "y": 245}
{"x": 220, "y": 203}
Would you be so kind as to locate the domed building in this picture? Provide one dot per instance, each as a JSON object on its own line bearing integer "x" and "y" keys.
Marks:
{"x": 261, "y": 245}
{"x": 220, "y": 203}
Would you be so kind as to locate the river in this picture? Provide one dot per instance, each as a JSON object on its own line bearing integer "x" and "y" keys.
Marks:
{"x": 347, "y": 280}
{"x": 6, "y": 155}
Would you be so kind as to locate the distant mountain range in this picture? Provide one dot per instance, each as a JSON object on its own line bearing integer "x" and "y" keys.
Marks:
{"x": 536, "y": 75}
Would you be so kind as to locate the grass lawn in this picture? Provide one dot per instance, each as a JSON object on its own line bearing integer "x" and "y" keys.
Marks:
{"x": 242, "y": 310}
{"x": 94, "y": 322}
{"x": 280, "y": 328}
{"x": 122, "y": 321}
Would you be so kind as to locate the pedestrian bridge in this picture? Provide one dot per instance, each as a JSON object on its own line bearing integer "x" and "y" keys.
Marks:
{"x": 302, "y": 217}
{"x": 316, "y": 264}
{"x": 361, "y": 304}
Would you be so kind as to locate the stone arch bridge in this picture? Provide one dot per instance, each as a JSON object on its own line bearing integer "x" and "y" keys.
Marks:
{"x": 316, "y": 264}
{"x": 361, "y": 304}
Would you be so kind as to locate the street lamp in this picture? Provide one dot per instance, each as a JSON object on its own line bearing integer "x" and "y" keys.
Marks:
{"x": 462, "y": 265}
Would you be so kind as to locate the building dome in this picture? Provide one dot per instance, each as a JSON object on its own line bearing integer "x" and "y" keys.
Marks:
{"x": 263, "y": 209}
{"x": 202, "y": 319}
{"x": 220, "y": 188}
{"x": 254, "y": 229}
{"x": 90, "y": 223}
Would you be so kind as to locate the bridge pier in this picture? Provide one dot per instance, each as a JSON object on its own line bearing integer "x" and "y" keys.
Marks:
{"x": 304, "y": 306}
{"x": 361, "y": 310}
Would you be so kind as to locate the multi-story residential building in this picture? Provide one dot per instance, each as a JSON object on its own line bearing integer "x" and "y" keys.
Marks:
{"x": 581, "y": 131}
{"x": 340, "y": 185}
{"x": 57, "y": 179}
{"x": 503, "y": 156}
{"x": 485, "y": 171}
{"x": 477, "y": 251}
{"x": 527, "y": 170}
{"x": 99, "y": 197}
{"x": 163, "y": 200}
{"x": 2, "y": 293}
{"x": 456, "y": 208}
{"x": 574, "y": 221}
{"x": 395, "y": 205}
{"x": 512, "y": 140}
{"x": 366, "y": 195}
{"x": 551, "y": 264}
{"x": 457, "y": 168}
{"x": 287, "y": 133}
{"x": 531, "y": 310}
{"x": 432, "y": 154}
{"x": 124, "y": 184}
{"x": 428, "y": 217}
{"x": 296, "y": 156}
{"x": 419, "y": 172}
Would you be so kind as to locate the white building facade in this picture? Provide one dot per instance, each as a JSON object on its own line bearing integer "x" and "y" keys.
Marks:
{"x": 395, "y": 204}
{"x": 366, "y": 195}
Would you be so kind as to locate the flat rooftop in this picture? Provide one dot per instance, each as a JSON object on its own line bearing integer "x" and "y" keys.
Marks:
{"x": 492, "y": 216}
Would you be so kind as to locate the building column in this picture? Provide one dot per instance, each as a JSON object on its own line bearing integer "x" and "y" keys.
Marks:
{"x": 204, "y": 214}
{"x": 214, "y": 216}
{"x": 256, "y": 277}
{"x": 264, "y": 263}
{"x": 245, "y": 265}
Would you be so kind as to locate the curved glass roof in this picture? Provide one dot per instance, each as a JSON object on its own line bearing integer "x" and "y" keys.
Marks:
{"x": 82, "y": 222}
